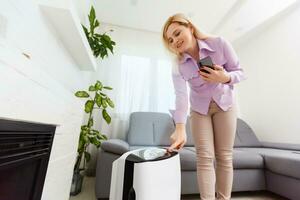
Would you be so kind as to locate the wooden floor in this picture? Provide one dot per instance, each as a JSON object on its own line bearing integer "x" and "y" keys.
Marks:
{"x": 88, "y": 193}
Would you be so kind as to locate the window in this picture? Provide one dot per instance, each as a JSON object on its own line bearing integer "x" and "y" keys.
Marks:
{"x": 146, "y": 85}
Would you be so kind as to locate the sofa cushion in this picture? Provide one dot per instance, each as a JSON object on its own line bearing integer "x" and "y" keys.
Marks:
{"x": 284, "y": 164}
{"x": 150, "y": 129}
{"x": 247, "y": 160}
{"x": 276, "y": 160}
{"x": 245, "y": 136}
{"x": 187, "y": 159}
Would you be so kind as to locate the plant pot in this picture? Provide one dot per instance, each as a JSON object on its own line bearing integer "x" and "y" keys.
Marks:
{"x": 76, "y": 183}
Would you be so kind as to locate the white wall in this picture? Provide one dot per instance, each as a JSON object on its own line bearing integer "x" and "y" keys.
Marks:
{"x": 41, "y": 89}
{"x": 269, "y": 99}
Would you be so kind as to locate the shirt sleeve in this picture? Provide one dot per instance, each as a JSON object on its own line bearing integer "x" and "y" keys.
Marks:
{"x": 181, "y": 99}
{"x": 232, "y": 65}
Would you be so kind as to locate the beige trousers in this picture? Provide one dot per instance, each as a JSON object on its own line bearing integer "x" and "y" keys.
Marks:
{"x": 213, "y": 136}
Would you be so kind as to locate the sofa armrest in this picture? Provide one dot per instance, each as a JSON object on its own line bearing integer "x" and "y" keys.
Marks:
{"x": 285, "y": 146}
{"x": 116, "y": 146}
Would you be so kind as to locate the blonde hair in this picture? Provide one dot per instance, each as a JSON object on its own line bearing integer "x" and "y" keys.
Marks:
{"x": 181, "y": 19}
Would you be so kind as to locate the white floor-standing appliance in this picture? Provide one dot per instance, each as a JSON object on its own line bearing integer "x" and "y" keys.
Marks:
{"x": 146, "y": 174}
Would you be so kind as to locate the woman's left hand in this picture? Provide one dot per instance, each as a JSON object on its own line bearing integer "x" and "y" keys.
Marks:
{"x": 218, "y": 75}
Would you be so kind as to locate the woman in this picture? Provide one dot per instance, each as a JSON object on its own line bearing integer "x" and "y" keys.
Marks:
{"x": 212, "y": 104}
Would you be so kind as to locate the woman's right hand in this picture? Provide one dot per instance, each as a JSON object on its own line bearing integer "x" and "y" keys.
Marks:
{"x": 178, "y": 138}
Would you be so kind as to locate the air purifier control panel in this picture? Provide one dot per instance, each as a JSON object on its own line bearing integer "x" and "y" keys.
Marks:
{"x": 150, "y": 154}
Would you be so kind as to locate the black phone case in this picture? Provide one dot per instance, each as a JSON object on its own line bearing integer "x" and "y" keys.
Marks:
{"x": 205, "y": 62}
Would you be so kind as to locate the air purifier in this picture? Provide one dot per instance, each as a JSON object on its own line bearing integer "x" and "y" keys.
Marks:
{"x": 146, "y": 174}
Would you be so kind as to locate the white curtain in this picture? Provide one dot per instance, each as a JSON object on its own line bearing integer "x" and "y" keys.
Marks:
{"x": 143, "y": 84}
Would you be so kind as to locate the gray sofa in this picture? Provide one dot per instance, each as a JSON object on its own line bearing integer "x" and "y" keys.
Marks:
{"x": 257, "y": 165}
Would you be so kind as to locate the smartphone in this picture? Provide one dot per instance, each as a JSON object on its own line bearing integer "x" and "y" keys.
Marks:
{"x": 205, "y": 62}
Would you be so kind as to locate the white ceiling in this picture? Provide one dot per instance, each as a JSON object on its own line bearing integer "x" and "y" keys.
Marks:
{"x": 151, "y": 14}
{"x": 229, "y": 18}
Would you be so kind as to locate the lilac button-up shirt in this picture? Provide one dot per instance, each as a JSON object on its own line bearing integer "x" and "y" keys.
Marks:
{"x": 202, "y": 92}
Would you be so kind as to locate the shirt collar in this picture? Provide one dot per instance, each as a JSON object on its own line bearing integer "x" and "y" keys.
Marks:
{"x": 202, "y": 45}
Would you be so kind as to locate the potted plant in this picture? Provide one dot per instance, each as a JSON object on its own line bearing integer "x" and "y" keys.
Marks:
{"x": 99, "y": 44}
{"x": 89, "y": 135}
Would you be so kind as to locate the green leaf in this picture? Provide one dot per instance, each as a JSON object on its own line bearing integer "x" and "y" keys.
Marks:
{"x": 80, "y": 145}
{"x": 101, "y": 137}
{"x": 85, "y": 139}
{"x": 95, "y": 142}
{"x": 110, "y": 102}
{"x": 96, "y": 23}
{"x": 98, "y": 100}
{"x": 104, "y": 95}
{"x": 92, "y": 17}
{"x": 84, "y": 127}
{"x": 106, "y": 116}
{"x": 104, "y": 103}
{"x": 98, "y": 36}
{"x": 92, "y": 88}
{"x": 87, "y": 156}
{"x": 82, "y": 94}
{"x": 84, "y": 131}
{"x": 108, "y": 88}
{"x": 103, "y": 53}
{"x": 98, "y": 85}
{"x": 89, "y": 106}
{"x": 91, "y": 43}
{"x": 85, "y": 31}
{"x": 106, "y": 41}
{"x": 94, "y": 132}
{"x": 105, "y": 137}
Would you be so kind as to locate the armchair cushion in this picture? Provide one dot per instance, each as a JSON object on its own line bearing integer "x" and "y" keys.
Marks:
{"x": 116, "y": 146}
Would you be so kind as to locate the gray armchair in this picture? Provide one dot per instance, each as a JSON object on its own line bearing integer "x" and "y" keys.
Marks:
{"x": 257, "y": 165}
